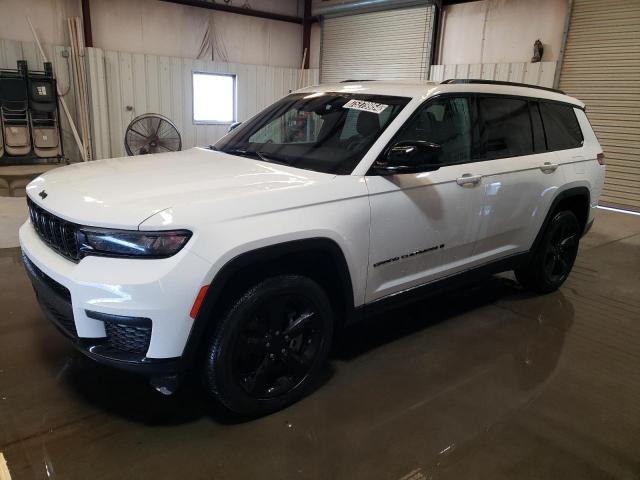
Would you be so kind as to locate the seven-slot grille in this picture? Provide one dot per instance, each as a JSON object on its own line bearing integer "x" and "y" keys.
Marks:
{"x": 56, "y": 232}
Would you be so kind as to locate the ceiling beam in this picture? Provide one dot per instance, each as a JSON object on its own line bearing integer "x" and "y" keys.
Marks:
{"x": 240, "y": 10}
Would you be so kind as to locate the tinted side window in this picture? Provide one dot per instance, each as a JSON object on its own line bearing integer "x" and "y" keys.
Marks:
{"x": 539, "y": 142}
{"x": 505, "y": 129}
{"x": 561, "y": 126}
{"x": 445, "y": 122}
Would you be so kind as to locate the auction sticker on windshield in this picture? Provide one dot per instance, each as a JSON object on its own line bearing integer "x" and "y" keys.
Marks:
{"x": 365, "y": 106}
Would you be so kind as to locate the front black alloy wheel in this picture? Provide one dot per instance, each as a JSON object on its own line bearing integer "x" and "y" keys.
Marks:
{"x": 555, "y": 255}
{"x": 270, "y": 346}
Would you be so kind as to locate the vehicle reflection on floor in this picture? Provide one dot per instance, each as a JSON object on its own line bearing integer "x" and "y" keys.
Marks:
{"x": 485, "y": 382}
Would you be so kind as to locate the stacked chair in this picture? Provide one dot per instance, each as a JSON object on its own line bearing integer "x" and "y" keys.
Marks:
{"x": 14, "y": 111}
{"x": 29, "y": 119}
{"x": 43, "y": 113}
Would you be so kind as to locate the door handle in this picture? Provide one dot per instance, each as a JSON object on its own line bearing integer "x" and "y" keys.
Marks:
{"x": 549, "y": 167}
{"x": 467, "y": 180}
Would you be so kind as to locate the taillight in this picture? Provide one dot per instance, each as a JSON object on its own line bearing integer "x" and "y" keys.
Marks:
{"x": 601, "y": 159}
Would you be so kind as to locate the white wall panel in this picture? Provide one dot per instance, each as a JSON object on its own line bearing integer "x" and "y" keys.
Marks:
{"x": 540, "y": 73}
{"x": 500, "y": 31}
{"x": 163, "y": 28}
{"x": 124, "y": 85}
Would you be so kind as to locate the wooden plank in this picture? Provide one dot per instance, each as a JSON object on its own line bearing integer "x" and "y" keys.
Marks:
{"x": 4, "y": 468}
{"x": 99, "y": 104}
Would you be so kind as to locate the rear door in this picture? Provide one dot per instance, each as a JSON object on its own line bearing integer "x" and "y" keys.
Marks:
{"x": 520, "y": 176}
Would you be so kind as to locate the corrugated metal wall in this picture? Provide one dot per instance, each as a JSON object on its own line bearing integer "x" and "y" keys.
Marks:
{"x": 540, "y": 73}
{"x": 602, "y": 68}
{"x": 378, "y": 45}
{"x": 12, "y": 51}
{"x": 151, "y": 83}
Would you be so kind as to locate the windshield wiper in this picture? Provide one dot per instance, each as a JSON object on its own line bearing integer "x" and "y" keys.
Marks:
{"x": 254, "y": 154}
{"x": 268, "y": 158}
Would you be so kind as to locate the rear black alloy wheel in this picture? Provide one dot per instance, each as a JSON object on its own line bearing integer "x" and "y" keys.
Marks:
{"x": 270, "y": 346}
{"x": 554, "y": 258}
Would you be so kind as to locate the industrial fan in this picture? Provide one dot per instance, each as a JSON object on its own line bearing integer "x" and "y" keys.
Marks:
{"x": 151, "y": 133}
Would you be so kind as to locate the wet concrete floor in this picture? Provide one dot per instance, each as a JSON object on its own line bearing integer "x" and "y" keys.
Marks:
{"x": 489, "y": 382}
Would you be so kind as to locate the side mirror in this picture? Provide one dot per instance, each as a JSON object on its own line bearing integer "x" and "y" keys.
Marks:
{"x": 409, "y": 156}
{"x": 233, "y": 126}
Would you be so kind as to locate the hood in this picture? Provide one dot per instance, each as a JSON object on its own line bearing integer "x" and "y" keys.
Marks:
{"x": 123, "y": 192}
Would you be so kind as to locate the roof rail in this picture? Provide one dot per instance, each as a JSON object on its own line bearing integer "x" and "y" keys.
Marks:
{"x": 498, "y": 82}
{"x": 353, "y": 81}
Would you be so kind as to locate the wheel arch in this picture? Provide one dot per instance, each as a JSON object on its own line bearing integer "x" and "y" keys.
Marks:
{"x": 576, "y": 199}
{"x": 320, "y": 258}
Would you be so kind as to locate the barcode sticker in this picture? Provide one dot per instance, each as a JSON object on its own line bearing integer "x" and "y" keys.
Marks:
{"x": 365, "y": 106}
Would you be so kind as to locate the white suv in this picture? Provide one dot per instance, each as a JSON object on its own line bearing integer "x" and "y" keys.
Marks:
{"x": 243, "y": 259}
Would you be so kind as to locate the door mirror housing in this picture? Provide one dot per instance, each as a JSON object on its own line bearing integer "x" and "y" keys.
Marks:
{"x": 409, "y": 156}
{"x": 233, "y": 126}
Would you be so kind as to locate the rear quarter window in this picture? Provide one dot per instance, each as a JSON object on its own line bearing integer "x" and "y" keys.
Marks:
{"x": 561, "y": 126}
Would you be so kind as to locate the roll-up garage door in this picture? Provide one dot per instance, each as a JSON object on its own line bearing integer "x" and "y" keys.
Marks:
{"x": 377, "y": 45}
{"x": 601, "y": 67}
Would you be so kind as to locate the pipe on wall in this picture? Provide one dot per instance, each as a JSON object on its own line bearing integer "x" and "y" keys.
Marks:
{"x": 336, "y": 8}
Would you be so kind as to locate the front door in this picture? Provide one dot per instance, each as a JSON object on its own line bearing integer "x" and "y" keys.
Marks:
{"x": 424, "y": 225}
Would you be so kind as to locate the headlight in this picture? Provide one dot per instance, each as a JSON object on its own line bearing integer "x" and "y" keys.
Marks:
{"x": 126, "y": 243}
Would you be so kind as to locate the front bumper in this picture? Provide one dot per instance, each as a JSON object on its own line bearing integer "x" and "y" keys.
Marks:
{"x": 132, "y": 314}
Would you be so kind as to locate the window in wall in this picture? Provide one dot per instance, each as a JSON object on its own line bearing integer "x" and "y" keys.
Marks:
{"x": 214, "y": 98}
{"x": 506, "y": 127}
{"x": 561, "y": 126}
{"x": 447, "y": 123}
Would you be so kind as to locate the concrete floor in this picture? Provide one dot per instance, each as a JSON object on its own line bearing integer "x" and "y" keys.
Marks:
{"x": 13, "y": 213}
{"x": 490, "y": 382}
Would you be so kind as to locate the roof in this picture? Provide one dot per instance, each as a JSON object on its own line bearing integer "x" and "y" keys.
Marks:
{"x": 423, "y": 89}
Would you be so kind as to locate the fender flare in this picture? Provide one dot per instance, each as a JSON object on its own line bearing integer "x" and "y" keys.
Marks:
{"x": 578, "y": 191}
{"x": 203, "y": 320}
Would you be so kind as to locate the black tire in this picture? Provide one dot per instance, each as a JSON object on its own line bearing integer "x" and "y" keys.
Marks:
{"x": 270, "y": 346}
{"x": 555, "y": 255}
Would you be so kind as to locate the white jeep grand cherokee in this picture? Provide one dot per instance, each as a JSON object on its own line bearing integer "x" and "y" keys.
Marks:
{"x": 243, "y": 259}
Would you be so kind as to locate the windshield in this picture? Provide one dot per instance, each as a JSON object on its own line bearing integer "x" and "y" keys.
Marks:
{"x": 325, "y": 132}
